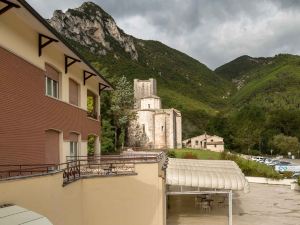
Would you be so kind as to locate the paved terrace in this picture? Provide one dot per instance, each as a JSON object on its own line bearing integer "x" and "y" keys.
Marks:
{"x": 264, "y": 205}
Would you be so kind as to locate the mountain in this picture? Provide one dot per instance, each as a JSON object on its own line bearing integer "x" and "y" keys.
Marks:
{"x": 271, "y": 83}
{"x": 183, "y": 82}
{"x": 248, "y": 101}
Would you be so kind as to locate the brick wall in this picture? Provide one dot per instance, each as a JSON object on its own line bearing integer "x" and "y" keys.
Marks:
{"x": 26, "y": 113}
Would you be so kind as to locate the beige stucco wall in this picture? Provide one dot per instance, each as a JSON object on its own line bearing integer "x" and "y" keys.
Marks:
{"x": 123, "y": 200}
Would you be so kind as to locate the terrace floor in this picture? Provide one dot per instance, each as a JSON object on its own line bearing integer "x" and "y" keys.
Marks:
{"x": 264, "y": 205}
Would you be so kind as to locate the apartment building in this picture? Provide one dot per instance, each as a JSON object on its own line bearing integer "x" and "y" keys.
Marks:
{"x": 45, "y": 88}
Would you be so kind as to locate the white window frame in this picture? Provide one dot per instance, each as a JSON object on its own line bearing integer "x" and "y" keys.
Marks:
{"x": 74, "y": 150}
{"x": 52, "y": 87}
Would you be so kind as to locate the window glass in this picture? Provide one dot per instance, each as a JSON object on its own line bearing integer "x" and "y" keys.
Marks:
{"x": 49, "y": 86}
{"x": 55, "y": 89}
{"x": 73, "y": 148}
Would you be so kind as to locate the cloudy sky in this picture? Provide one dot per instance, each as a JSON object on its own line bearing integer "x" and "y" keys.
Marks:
{"x": 212, "y": 31}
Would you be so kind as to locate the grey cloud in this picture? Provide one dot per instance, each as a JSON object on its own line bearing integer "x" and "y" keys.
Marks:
{"x": 212, "y": 31}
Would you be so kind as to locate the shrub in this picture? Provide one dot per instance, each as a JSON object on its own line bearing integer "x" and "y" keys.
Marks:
{"x": 252, "y": 168}
{"x": 189, "y": 155}
{"x": 299, "y": 180}
{"x": 171, "y": 154}
{"x": 287, "y": 174}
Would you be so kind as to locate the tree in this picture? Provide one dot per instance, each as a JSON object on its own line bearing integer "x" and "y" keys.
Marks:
{"x": 122, "y": 102}
{"x": 283, "y": 144}
{"x": 248, "y": 126}
{"x": 107, "y": 140}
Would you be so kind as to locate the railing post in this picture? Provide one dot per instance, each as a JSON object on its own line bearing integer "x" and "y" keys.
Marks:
{"x": 68, "y": 171}
{"x": 79, "y": 168}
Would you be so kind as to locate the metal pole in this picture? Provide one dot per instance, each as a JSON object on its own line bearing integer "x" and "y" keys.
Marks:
{"x": 230, "y": 208}
{"x": 165, "y": 206}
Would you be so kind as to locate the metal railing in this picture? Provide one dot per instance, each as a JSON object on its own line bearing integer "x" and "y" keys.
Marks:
{"x": 83, "y": 166}
{"x": 133, "y": 157}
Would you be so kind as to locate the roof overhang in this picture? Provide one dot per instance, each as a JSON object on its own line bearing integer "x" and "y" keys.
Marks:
{"x": 41, "y": 26}
{"x": 206, "y": 174}
{"x": 16, "y": 215}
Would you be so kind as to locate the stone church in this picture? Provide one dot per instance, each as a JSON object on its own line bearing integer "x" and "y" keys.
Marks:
{"x": 154, "y": 127}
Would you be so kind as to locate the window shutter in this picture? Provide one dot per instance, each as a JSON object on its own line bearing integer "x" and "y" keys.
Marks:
{"x": 73, "y": 92}
{"x": 52, "y": 73}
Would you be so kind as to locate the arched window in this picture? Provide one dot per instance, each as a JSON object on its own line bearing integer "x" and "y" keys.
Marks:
{"x": 51, "y": 147}
{"x": 74, "y": 148}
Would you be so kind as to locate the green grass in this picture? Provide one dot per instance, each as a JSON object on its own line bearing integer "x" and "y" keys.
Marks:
{"x": 199, "y": 154}
{"x": 249, "y": 168}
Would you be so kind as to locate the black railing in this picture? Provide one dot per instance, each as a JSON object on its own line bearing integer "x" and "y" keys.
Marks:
{"x": 83, "y": 166}
{"x": 134, "y": 157}
{"x": 92, "y": 115}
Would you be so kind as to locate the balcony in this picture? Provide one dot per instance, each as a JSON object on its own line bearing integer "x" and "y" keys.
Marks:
{"x": 82, "y": 167}
{"x": 92, "y": 115}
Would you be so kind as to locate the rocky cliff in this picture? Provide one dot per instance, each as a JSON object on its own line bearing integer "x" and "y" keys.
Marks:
{"x": 92, "y": 27}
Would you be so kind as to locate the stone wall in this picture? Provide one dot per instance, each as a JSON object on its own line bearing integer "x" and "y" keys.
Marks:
{"x": 142, "y": 89}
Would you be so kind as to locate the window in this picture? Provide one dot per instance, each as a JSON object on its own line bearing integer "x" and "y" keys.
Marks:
{"x": 143, "y": 128}
{"x": 211, "y": 140}
{"x": 91, "y": 105}
{"x": 162, "y": 128}
{"x": 73, "y": 149}
{"x": 52, "y": 81}
{"x": 197, "y": 142}
{"x": 51, "y": 87}
{"x": 73, "y": 92}
{"x": 148, "y": 106}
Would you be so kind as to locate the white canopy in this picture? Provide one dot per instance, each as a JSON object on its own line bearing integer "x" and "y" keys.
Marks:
{"x": 209, "y": 174}
{"x": 15, "y": 215}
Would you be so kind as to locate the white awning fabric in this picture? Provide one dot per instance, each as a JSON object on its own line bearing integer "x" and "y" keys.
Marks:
{"x": 208, "y": 174}
{"x": 16, "y": 215}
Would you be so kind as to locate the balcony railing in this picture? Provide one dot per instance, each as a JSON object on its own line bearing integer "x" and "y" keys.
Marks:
{"x": 82, "y": 167}
{"x": 92, "y": 115}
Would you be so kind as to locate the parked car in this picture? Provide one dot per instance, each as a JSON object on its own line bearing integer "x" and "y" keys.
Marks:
{"x": 274, "y": 162}
{"x": 268, "y": 161}
{"x": 258, "y": 158}
{"x": 296, "y": 175}
{"x": 284, "y": 163}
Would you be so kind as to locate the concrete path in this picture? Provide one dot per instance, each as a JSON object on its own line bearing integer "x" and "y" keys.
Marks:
{"x": 264, "y": 205}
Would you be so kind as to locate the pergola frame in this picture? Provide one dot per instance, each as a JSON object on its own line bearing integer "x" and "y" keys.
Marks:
{"x": 199, "y": 192}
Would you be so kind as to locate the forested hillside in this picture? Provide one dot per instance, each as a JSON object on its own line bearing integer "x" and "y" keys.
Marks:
{"x": 252, "y": 102}
{"x": 265, "y": 104}
{"x": 183, "y": 82}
